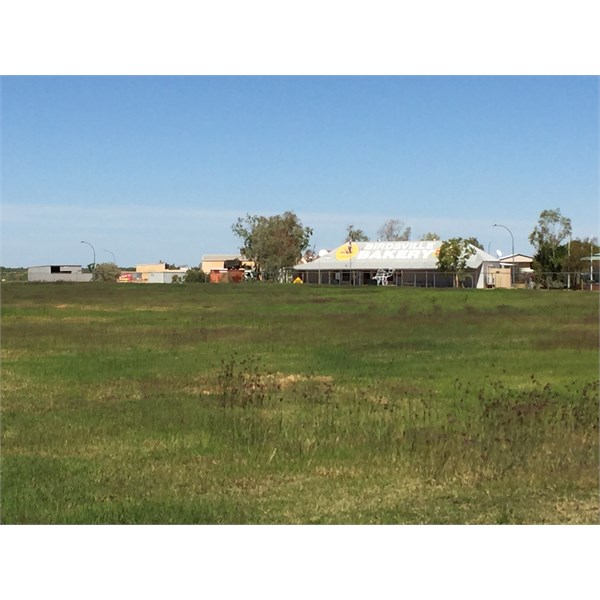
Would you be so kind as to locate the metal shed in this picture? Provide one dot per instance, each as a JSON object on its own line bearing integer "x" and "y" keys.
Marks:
{"x": 58, "y": 273}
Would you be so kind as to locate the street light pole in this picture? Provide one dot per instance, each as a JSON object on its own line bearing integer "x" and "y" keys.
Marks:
{"x": 512, "y": 274}
{"x": 569, "y": 265}
{"x": 350, "y": 259}
{"x": 113, "y": 255}
{"x": 591, "y": 265}
{"x": 94, "y": 251}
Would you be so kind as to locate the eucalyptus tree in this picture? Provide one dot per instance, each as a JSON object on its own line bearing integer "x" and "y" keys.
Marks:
{"x": 356, "y": 235}
{"x": 393, "y": 230}
{"x": 273, "y": 242}
{"x": 548, "y": 238}
{"x": 453, "y": 256}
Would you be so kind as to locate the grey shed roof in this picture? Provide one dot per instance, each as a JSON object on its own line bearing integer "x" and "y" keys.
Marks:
{"x": 421, "y": 255}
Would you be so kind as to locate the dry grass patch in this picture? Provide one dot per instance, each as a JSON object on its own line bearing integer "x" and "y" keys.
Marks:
{"x": 83, "y": 319}
{"x": 577, "y": 511}
{"x": 292, "y": 379}
{"x": 12, "y": 353}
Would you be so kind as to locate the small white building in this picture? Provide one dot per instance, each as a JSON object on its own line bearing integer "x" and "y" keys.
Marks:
{"x": 58, "y": 273}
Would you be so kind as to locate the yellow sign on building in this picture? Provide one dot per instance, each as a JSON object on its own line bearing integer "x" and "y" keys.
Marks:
{"x": 347, "y": 251}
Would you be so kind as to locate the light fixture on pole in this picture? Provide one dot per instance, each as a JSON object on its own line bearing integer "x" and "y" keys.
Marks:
{"x": 512, "y": 273}
{"x": 94, "y": 263}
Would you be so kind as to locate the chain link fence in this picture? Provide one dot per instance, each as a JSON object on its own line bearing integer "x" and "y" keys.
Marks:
{"x": 558, "y": 281}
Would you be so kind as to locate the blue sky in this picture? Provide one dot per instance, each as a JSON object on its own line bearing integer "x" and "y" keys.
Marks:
{"x": 158, "y": 168}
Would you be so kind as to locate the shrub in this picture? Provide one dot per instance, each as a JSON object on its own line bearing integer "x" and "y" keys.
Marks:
{"x": 107, "y": 272}
{"x": 194, "y": 275}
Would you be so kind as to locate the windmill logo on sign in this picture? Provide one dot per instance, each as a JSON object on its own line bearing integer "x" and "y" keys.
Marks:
{"x": 382, "y": 276}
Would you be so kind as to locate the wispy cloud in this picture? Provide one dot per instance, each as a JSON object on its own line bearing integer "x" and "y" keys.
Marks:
{"x": 14, "y": 213}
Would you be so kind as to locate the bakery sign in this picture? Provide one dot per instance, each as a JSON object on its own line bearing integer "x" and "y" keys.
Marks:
{"x": 388, "y": 250}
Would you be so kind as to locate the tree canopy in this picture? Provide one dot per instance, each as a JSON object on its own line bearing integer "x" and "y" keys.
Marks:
{"x": 393, "y": 230}
{"x": 547, "y": 238}
{"x": 453, "y": 256}
{"x": 430, "y": 236}
{"x": 577, "y": 261}
{"x": 356, "y": 235}
{"x": 475, "y": 242}
{"x": 272, "y": 242}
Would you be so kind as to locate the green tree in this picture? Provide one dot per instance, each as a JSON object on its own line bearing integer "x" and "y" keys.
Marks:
{"x": 453, "y": 256}
{"x": 13, "y": 273}
{"x": 356, "y": 235}
{"x": 576, "y": 261}
{"x": 547, "y": 238}
{"x": 430, "y": 236}
{"x": 475, "y": 242}
{"x": 107, "y": 272}
{"x": 273, "y": 243}
{"x": 393, "y": 230}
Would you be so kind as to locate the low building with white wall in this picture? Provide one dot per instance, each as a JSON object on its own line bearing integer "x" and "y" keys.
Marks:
{"x": 58, "y": 273}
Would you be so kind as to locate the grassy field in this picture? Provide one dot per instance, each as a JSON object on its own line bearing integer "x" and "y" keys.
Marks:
{"x": 297, "y": 404}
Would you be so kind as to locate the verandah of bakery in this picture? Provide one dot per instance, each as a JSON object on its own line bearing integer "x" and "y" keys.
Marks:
{"x": 396, "y": 277}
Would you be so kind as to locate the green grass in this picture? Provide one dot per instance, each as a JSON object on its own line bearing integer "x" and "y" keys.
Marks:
{"x": 298, "y": 404}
